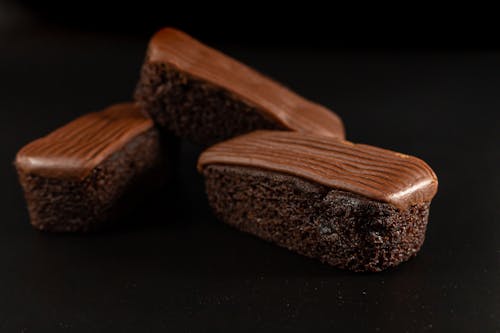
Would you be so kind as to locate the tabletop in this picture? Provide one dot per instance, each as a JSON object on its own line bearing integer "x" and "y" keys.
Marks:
{"x": 171, "y": 265}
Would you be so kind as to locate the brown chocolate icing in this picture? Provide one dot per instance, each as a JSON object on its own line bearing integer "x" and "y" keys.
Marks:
{"x": 179, "y": 50}
{"x": 73, "y": 150}
{"x": 376, "y": 173}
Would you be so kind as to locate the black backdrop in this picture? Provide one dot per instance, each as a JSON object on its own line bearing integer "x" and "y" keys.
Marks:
{"x": 338, "y": 25}
{"x": 421, "y": 86}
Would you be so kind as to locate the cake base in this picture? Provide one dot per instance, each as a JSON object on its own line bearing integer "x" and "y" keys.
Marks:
{"x": 337, "y": 227}
{"x": 194, "y": 109}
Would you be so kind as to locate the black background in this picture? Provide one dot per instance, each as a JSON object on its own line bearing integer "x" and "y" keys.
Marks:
{"x": 424, "y": 90}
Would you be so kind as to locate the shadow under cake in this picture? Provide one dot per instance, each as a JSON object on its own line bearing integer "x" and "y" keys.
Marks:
{"x": 202, "y": 95}
{"x": 350, "y": 205}
{"x": 93, "y": 170}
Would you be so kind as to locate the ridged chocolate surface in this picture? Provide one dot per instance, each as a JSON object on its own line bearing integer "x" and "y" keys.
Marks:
{"x": 179, "y": 50}
{"x": 375, "y": 173}
{"x": 73, "y": 150}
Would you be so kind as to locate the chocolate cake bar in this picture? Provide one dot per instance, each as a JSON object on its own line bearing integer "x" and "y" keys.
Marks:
{"x": 350, "y": 205}
{"x": 87, "y": 172}
{"x": 205, "y": 96}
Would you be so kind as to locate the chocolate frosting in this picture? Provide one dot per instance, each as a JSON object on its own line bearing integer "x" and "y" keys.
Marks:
{"x": 186, "y": 54}
{"x": 376, "y": 173}
{"x": 73, "y": 150}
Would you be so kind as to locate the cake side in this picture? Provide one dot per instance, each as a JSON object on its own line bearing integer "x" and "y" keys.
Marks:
{"x": 196, "y": 110}
{"x": 340, "y": 228}
{"x": 111, "y": 188}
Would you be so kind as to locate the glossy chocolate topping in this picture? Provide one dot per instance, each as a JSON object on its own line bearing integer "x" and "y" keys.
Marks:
{"x": 179, "y": 50}
{"x": 73, "y": 150}
{"x": 376, "y": 173}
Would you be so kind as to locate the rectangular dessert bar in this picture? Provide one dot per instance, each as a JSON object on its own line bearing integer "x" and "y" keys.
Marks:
{"x": 80, "y": 176}
{"x": 205, "y": 96}
{"x": 350, "y": 205}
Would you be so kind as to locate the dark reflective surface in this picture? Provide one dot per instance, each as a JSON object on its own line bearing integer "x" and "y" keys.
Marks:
{"x": 174, "y": 266}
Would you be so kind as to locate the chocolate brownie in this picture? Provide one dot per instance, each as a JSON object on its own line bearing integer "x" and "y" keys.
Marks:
{"x": 90, "y": 171}
{"x": 350, "y": 205}
{"x": 205, "y": 96}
